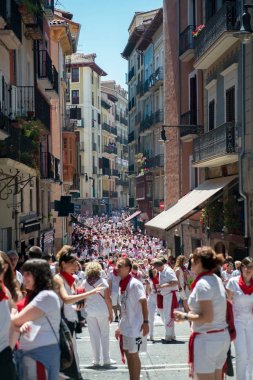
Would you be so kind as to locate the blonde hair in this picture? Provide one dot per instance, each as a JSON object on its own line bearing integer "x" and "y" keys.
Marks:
{"x": 63, "y": 251}
{"x": 179, "y": 262}
{"x": 93, "y": 269}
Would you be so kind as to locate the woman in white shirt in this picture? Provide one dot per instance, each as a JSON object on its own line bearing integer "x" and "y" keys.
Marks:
{"x": 99, "y": 314}
{"x": 39, "y": 352}
{"x": 6, "y": 357}
{"x": 209, "y": 341}
{"x": 240, "y": 291}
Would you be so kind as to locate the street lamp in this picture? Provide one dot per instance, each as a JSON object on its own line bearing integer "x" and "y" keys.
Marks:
{"x": 245, "y": 32}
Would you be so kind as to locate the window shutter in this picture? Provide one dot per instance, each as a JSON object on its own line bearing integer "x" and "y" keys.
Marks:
{"x": 211, "y": 115}
{"x": 230, "y": 104}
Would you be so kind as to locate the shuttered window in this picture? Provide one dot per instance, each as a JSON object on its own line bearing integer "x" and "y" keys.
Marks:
{"x": 230, "y": 104}
{"x": 211, "y": 112}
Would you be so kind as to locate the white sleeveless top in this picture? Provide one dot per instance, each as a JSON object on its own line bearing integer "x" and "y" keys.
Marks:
{"x": 68, "y": 309}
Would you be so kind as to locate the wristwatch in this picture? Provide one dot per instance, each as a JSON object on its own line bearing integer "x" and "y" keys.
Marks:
{"x": 145, "y": 321}
{"x": 186, "y": 317}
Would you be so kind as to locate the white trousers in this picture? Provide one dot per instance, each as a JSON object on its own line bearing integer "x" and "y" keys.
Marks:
{"x": 151, "y": 314}
{"x": 244, "y": 349}
{"x": 99, "y": 330}
{"x": 165, "y": 315}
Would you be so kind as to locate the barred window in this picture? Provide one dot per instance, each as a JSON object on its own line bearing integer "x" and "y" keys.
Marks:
{"x": 211, "y": 112}
{"x": 230, "y": 104}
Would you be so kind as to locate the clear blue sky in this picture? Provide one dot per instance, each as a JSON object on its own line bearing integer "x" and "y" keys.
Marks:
{"x": 104, "y": 29}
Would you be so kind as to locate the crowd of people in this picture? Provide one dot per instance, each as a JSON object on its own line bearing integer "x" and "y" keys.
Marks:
{"x": 112, "y": 273}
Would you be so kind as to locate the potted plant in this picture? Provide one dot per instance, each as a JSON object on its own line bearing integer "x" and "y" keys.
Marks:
{"x": 29, "y": 10}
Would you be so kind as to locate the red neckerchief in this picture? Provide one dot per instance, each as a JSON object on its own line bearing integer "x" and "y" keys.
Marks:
{"x": 3, "y": 292}
{"x": 124, "y": 282}
{"x": 115, "y": 272}
{"x": 247, "y": 289}
{"x": 199, "y": 277}
{"x": 135, "y": 274}
{"x": 22, "y": 304}
{"x": 68, "y": 278}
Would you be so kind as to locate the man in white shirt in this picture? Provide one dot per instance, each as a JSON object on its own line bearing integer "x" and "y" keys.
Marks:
{"x": 168, "y": 286}
{"x": 133, "y": 325}
{"x": 13, "y": 256}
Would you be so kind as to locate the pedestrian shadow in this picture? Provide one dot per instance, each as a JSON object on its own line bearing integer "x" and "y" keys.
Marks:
{"x": 155, "y": 341}
{"x": 102, "y": 368}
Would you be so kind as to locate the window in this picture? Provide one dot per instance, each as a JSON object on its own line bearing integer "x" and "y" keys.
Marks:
{"x": 92, "y": 77}
{"x": 75, "y": 96}
{"x": 65, "y": 144}
{"x": 211, "y": 110}
{"x": 92, "y": 98}
{"x": 230, "y": 104}
{"x": 75, "y": 74}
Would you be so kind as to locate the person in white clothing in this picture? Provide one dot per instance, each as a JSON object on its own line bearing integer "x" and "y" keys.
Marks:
{"x": 113, "y": 281}
{"x": 134, "y": 324}
{"x": 13, "y": 256}
{"x": 209, "y": 341}
{"x": 240, "y": 291}
{"x": 168, "y": 288}
{"x": 99, "y": 314}
{"x": 151, "y": 286}
{"x": 7, "y": 366}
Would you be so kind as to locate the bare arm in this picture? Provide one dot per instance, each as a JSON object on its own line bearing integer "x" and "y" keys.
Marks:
{"x": 108, "y": 302}
{"x": 144, "y": 307}
{"x": 230, "y": 294}
{"x": 69, "y": 299}
{"x": 110, "y": 286}
{"x": 29, "y": 313}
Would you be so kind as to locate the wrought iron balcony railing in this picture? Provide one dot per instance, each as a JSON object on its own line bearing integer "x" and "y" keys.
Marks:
{"x": 220, "y": 141}
{"x": 49, "y": 166}
{"x": 225, "y": 20}
{"x": 5, "y": 123}
{"x": 25, "y": 101}
{"x": 42, "y": 109}
{"x": 154, "y": 118}
{"x": 46, "y": 70}
{"x": 106, "y": 171}
{"x": 111, "y": 149}
{"x": 186, "y": 40}
{"x": 109, "y": 128}
{"x": 156, "y": 161}
{"x": 131, "y": 74}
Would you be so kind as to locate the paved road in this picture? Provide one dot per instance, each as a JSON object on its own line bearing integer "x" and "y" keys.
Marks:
{"x": 161, "y": 360}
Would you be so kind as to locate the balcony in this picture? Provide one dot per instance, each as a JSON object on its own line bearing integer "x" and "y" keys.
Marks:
{"x": 139, "y": 89}
{"x": 42, "y": 110}
{"x": 24, "y": 101}
{"x": 82, "y": 171}
{"x": 81, "y": 146}
{"x": 110, "y": 149}
{"x": 48, "y": 79}
{"x": 131, "y": 104}
{"x": 186, "y": 44}
{"x": 131, "y": 169}
{"x": 217, "y": 36}
{"x": 94, "y": 147}
{"x": 130, "y": 137}
{"x": 131, "y": 74}
{"x": 48, "y": 6}
{"x": 106, "y": 193}
{"x": 95, "y": 170}
{"x": 219, "y": 146}
{"x": 115, "y": 172}
{"x": 108, "y": 128}
{"x": 155, "y": 162}
{"x": 49, "y": 167}
{"x": 11, "y": 35}
{"x": 131, "y": 202}
{"x": 74, "y": 112}
{"x": 113, "y": 194}
{"x": 149, "y": 121}
{"x": 125, "y": 149}
{"x": 123, "y": 120}
{"x": 156, "y": 79}
{"x": 122, "y": 182}
{"x": 188, "y": 128}
{"x": 106, "y": 171}
{"x": 105, "y": 104}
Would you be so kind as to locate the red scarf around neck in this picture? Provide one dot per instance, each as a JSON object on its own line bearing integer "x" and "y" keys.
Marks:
{"x": 3, "y": 292}
{"x": 247, "y": 289}
{"x": 155, "y": 281}
{"x": 199, "y": 277}
{"x": 115, "y": 272}
{"x": 124, "y": 282}
{"x": 68, "y": 278}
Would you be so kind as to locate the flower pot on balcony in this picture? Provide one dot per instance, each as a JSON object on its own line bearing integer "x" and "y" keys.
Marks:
{"x": 28, "y": 14}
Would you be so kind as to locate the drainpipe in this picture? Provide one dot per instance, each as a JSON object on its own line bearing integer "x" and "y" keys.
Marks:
{"x": 242, "y": 156}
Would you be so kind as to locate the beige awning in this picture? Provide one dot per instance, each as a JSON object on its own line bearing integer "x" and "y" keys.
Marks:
{"x": 188, "y": 205}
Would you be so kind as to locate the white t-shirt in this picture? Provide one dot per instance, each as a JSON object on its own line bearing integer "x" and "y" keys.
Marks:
{"x": 95, "y": 304}
{"x": 5, "y": 322}
{"x": 242, "y": 303}
{"x": 166, "y": 276}
{"x": 115, "y": 282}
{"x": 131, "y": 318}
{"x": 209, "y": 288}
{"x": 48, "y": 302}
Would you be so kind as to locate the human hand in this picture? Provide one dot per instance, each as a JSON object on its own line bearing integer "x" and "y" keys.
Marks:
{"x": 26, "y": 327}
{"x": 145, "y": 329}
{"x": 110, "y": 317}
{"x": 179, "y": 316}
{"x": 117, "y": 333}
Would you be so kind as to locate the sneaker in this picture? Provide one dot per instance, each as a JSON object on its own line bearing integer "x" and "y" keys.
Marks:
{"x": 95, "y": 364}
{"x": 151, "y": 337}
{"x": 166, "y": 341}
{"x": 116, "y": 319}
{"x": 111, "y": 362}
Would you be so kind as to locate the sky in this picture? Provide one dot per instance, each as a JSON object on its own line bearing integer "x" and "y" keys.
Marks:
{"x": 104, "y": 30}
